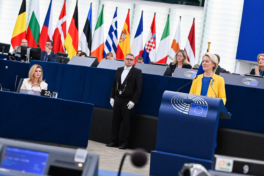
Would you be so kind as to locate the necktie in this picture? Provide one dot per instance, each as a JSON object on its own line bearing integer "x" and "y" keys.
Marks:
{"x": 46, "y": 57}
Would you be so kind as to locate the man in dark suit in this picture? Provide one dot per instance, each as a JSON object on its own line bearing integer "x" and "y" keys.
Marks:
{"x": 219, "y": 69}
{"x": 48, "y": 55}
{"x": 125, "y": 94}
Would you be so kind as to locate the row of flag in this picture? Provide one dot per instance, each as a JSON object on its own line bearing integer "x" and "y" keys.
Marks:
{"x": 34, "y": 36}
{"x": 97, "y": 46}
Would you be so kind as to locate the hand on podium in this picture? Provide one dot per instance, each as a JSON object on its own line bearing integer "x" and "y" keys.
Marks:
{"x": 130, "y": 105}
{"x": 112, "y": 101}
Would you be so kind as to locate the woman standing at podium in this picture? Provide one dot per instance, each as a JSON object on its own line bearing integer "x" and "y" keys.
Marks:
{"x": 209, "y": 84}
{"x": 35, "y": 82}
{"x": 259, "y": 71}
{"x": 180, "y": 61}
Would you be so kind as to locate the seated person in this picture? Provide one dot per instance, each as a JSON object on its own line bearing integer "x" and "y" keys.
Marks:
{"x": 209, "y": 84}
{"x": 219, "y": 69}
{"x": 17, "y": 49}
{"x": 35, "y": 82}
{"x": 48, "y": 55}
{"x": 259, "y": 70}
{"x": 109, "y": 56}
{"x": 83, "y": 54}
{"x": 140, "y": 60}
{"x": 78, "y": 53}
{"x": 180, "y": 61}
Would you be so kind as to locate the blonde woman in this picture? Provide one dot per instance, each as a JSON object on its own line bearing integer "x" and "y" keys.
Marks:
{"x": 35, "y": 82}
{"x": 259, "y": 71}
{"x": 180, "y": 61}
{"x": 209, "y": 84}
{"x": 109, "y": 56}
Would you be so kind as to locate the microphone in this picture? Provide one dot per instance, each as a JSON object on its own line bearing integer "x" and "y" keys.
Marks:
{"x": 138, "y": 158}
{"x": 15, "y": 83}
{"x": 212, "y": 87}
{"x": 187, "y": 84}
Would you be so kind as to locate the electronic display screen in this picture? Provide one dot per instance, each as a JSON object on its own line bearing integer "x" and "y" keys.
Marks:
{"x": 24, "y": 160}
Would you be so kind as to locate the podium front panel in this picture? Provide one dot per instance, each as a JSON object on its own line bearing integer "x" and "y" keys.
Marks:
{"x": 240, "y": 80}
{"x": 110, "y": 64}
{"x": 187, "y": 124}
{"x": 184, "y": 73}
{"x": 152, "y": 69}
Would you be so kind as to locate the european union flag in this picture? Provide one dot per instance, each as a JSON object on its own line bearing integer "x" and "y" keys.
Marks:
{"x": 198, "y": 110}
{"x": 253, "y": 83}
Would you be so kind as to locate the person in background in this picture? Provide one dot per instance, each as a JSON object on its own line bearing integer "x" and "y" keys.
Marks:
{"x": 140, "y": 60}
{"x": 196, "y": 66}
{"x": 83, "y": 54}
{"x": 17, "y": 49}
{"x": 180, "y": 61}
{"x": 35, "y": 82}
{"x": 209, "y": 84}
{"x": 79, "y": 52}
{"x": 48, "y": 55}
{"x": 219, "y": 69}
{"x": 125, "y": 94}
{"x": 259, "y": 70}
{"x": 109, "y": 56}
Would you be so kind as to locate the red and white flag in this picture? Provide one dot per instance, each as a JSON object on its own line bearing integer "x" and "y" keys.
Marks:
{"x": 60, "y": 31}
{"x": 190, "y": 45}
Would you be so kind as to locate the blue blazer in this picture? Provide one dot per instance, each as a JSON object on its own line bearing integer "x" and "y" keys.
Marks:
{"x": 51, "y": 58}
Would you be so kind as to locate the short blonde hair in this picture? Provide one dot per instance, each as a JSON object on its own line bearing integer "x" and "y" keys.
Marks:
{"x": 184, "y": 61}
{"x": 213, "y": 58}
{"x": 32, "y": 71}
{"x": 258, "y": 59}
{"x": 109, "y": 54}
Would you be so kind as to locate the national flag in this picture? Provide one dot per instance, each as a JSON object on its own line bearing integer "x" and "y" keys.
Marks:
{"x": 72, "y": 37}
{"x": 98, "y": 38}
{"x": 190, "y": 45}
{"x": 60, "y": 31}
{"x": 137, "y": 46}
{"x": 19, "y": 32}
{"x": 86, "y": 36}
{"x": 176, "y": 43}
{"x": 33, "y": 30}
{"x": 47, "y": 29}
{"x": 149, "y": 53}
{"x": 124, "y": 42}
{"x": 164, "y": 45}
{"x": 112, "y": 40}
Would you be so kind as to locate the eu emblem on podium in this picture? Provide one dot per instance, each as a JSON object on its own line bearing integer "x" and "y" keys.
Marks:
{"x": 198, "y": 110}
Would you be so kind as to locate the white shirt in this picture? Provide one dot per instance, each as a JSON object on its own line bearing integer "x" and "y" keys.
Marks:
{"x": 125, "y": 73}
{"x": 28, "y": 86}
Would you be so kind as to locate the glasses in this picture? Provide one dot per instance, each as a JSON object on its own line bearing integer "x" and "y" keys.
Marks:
{"x": 129, "y": 59}
{"x": 47, "y": 44}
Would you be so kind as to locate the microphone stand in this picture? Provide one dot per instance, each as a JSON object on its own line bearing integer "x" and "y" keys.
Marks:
{"x": 186, "y": 84}
{"x": 121, "y": 164}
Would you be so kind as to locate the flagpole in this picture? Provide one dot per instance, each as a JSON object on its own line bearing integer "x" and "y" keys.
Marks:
{"x": 180, "y": 18}
{"x": 209, "y": 43}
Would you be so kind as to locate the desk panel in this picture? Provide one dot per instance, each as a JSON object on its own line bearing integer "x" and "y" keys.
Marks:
{"x": 9, "y": 70}
{"x": 44, "y": 119}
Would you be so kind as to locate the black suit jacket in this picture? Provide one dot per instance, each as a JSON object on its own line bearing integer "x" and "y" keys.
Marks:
{"x": 220, "y": 70}
{"x": 51, "y": 58}
{"x": 133, "y": 84}
{"x": 173, "y": 67}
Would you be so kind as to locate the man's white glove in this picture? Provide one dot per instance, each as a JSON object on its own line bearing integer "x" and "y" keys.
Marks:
{"x": 130, "y": 105}
{"x": 112, "y": 101}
